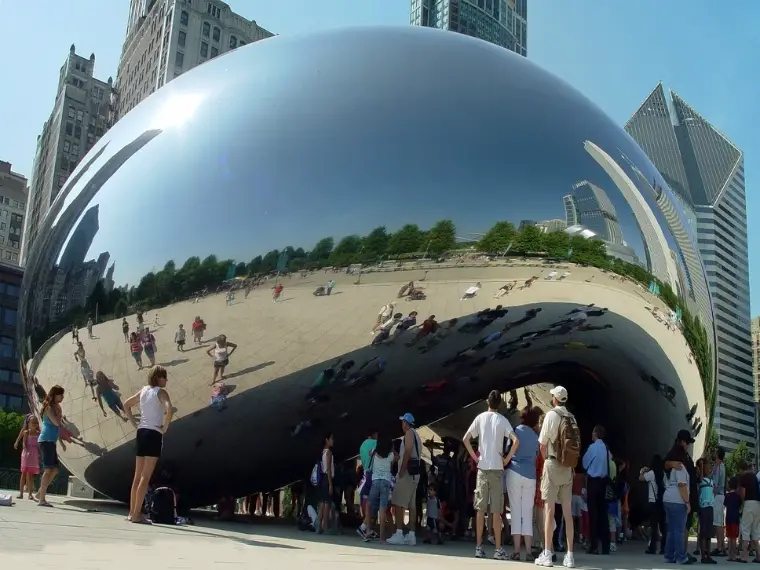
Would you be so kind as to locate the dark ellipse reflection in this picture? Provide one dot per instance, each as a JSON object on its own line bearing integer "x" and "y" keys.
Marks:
{"x": 283, "y": 143}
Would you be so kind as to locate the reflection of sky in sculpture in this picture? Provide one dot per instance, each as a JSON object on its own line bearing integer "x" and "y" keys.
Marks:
{"x": 370, "y": 139}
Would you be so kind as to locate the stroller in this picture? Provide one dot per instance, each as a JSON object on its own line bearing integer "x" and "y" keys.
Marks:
{"x": 319, "y": 291}
{"x": 416, "y": 295}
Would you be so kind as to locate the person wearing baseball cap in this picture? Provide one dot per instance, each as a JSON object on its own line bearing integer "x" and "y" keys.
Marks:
{"x": 678, "y": 458}
{"x": 405, "y": 492}
{"x": 557, "y": 478}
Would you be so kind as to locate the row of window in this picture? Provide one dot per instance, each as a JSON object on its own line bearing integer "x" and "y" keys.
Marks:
{"x": 10, "y": 256}
{"x": 12, "y": 203}
{"x": 9, "y": 289}
{"x": 7, "y": 347}
{"x": 12, "y": 376}
{"x": 11, "y": 402}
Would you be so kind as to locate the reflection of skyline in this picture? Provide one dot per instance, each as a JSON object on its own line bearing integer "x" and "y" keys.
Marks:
{"x": 659, "y": 262}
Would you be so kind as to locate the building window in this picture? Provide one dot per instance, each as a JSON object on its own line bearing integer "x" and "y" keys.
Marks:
{"x": 80, "y": 116}
{"x": 75, "y": 149}
{"x": 241, "y": 43}
{"x": 217, "y": 34}
{"x": 206, "y": 29}
{"x": 12, "y": 403}
{"x": 7, "y": 347}
{"x": 214, "y": 11}
{"x": 233, "y": 42}
{"x": 69, "y": 129}
{"x": 10, "y": 376}
{"x": 184, "y": 18}
{"x": 214, "y": 51}
{"x": 10, "y": 316}
{"x": 72, "y": 112}
{"x": 7, "y": 255}
{"x": 204, "y": 49}
{"x": 66, "y": 146}
{"x": 180, "y": 59}
{"x": 181, "y": 39}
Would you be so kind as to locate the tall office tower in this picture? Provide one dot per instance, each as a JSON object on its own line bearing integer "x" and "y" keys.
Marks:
{"x": 706, "y": 172}
{"x": 501, "y": 22}
{"x": 596, "y": 212}
{"x": 80, "y": 117}
{"x": 14, "y": 193}
{"x": 165, "y": 38}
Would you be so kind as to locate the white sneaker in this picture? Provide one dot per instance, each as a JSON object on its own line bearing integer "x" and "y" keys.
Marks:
{"x": 613, "y": 547}
{"x": 397, "y": 538}
{"x": 545, "y": 559}
{"x": 410, "y": 539}
{"x": 569, "y": 561}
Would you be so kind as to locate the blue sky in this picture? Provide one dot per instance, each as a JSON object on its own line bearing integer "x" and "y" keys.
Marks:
{"x": 613, "y": 52}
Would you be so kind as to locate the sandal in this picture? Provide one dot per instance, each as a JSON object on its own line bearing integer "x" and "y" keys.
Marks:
{"x": 515, "y": 556}
{"x": 142, "y": 521}
{"x": 44, "y": 504}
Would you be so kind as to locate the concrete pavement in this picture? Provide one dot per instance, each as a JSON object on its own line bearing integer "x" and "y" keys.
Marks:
{"x": 69, "y": 537}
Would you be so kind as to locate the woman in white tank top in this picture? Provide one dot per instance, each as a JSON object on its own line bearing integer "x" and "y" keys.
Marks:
{"x": 155, "y": 415}
{"x": 220, "y": 353}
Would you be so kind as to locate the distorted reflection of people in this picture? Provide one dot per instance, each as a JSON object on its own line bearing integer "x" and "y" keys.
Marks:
{"x": 106, "y": 392}
{"x": 277, "y": 291}
{"x": 136, "y": 348}
{"x": 199, "y": 327}
{"x": 30, "y": 455}
{"x": 385, "y": 313}
{"x": 429, "y": 326}
{"x": 88, "y": 375}
{"x": 220, "y": 354}
{"x": 179, "y": 338}
{"x": 80, "y": 354}
{"x": 654, "y": 477}
{"x": 89, "y": 327}
{"x": 50, "y": 433}
{"x": 384, "y": 331}
{"x": 471, "y": 291}
{"x": 149, "y": 346}
{"x": 155, "y": 416}
{"x": 125, "y": 329}
{"x": 74, "y": 334}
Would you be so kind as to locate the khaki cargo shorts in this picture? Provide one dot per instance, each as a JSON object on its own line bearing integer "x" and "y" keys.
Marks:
{"x": 489, "y": 497}
{"x": 556, "y": 483}
{"x": 405, "y": 492}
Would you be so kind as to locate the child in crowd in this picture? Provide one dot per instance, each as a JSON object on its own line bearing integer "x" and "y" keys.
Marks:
{"x": 613, "y": 518}
{"x": 179, "y": 338}
{"x": 706, "y": 500}
{"x": 578, "y": 502}
{"x": 431, "y": 512}
{"x": 732, "y": 503}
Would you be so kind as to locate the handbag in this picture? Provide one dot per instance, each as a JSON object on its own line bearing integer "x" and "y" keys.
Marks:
{"x": 365, "y": 485}
{"x": 610, "y": 494}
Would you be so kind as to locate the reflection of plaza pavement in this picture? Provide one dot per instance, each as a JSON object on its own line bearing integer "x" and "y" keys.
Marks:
{"x": 303, "y": 331}
{"x": 67, "y": 538}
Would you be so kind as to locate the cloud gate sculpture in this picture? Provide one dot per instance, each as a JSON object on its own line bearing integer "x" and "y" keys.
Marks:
{"x": 422, "y": 174}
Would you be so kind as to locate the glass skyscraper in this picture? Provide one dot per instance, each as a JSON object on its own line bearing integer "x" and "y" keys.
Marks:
{"x": 501, "y": 22}
{"x": 706, "y": 172}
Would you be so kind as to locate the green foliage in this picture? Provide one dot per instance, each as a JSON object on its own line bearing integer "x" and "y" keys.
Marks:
{"x": 711, "y": 446}
{"x": 10, "y": 425}
{"x": 741, "y": 453}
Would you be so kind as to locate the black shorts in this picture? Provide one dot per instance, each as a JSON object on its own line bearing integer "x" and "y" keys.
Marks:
{"x": 221, "y": 363}
{"x": 148, "y": 443}
{"x": 705, "y": 523}
{"x": 49, "y": 453}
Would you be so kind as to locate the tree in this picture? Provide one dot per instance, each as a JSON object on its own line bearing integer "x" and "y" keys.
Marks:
{"x": 711, "y": 445}
{"x": 376, "y": 243}
{"x": 441, "y": 237}
{"x": 407, "y": 240}
{"x": 322, "y": 250}
{"x": 10, "y": 425}
{"x": 498, "y": 238}
{"x": 742, "y": 453}
{"x": 529, "y": 240}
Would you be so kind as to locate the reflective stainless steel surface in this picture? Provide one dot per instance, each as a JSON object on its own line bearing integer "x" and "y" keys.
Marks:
{"x": 415, "y": 155}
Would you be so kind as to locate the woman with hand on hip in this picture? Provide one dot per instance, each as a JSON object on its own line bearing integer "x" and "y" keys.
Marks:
{"x": 155, "y": 416}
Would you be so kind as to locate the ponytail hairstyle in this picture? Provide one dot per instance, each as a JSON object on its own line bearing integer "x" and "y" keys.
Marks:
{"x": 49, "y": 400}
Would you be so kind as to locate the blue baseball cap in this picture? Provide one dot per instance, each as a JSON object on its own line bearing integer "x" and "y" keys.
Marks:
{"x": 408, "y": 418}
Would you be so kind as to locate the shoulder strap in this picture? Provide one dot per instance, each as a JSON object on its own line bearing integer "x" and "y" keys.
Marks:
{"x": 416, "y": 445}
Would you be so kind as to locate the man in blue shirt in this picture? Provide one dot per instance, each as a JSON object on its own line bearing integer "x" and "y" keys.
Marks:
{"x": 597, "y": 466}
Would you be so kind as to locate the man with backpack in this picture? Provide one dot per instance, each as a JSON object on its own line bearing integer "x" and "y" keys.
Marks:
{"x": 560, "y": 441}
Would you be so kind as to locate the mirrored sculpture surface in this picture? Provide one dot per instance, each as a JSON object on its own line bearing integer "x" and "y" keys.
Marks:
{"x": 393, "y": 184}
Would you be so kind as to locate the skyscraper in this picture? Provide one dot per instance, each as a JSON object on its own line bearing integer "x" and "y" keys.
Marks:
{"x": 14, "y": 193}
{"x": 165, "y": 38}
{"x": 501, "y": 22}
{"x": 706, "y": 172}
{"x": 79, "y": 118}
{"x": 596, "y": 212}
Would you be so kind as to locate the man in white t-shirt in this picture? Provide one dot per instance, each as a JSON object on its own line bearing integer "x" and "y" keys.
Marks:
{"x": 491, "y": 429}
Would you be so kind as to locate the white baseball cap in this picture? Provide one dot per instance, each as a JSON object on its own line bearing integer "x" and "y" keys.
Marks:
{"x": 559, "y": 392}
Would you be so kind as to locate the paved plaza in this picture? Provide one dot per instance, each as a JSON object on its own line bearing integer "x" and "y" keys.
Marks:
{"x": 90, "y": 535}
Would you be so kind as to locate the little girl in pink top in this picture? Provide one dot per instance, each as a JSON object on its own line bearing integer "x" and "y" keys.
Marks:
{"x": 30, "y": 456}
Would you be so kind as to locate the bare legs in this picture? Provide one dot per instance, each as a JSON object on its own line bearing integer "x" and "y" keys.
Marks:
{"x": 144, "y": 467}
{"x": 27, "y": 482}
{"x": 47, "y": 478}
